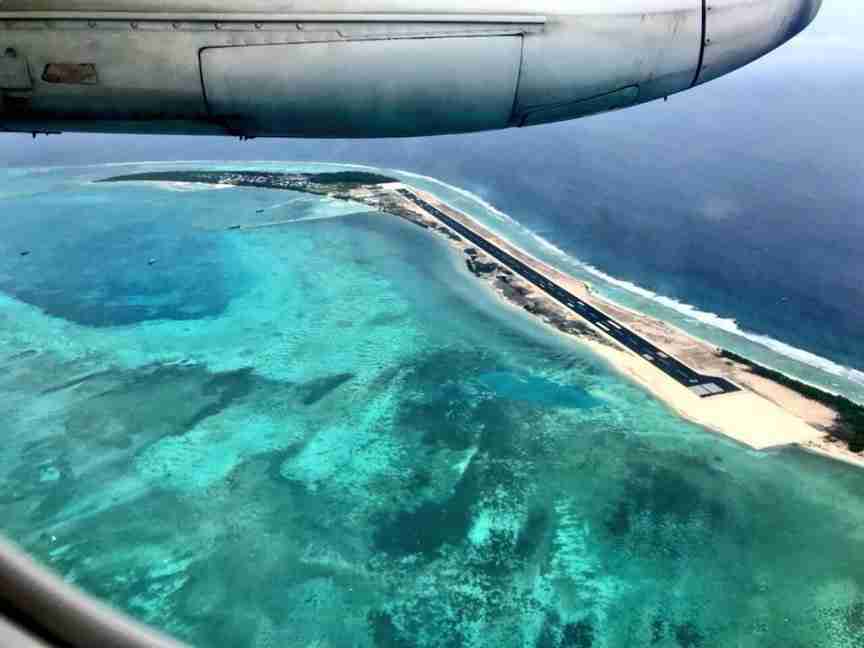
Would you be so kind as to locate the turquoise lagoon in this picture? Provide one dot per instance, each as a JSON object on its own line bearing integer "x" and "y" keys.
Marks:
{"x": 326, "y": 433}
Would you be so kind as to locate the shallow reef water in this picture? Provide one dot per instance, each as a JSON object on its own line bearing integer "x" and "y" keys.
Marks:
{"x": 327, "y": 433}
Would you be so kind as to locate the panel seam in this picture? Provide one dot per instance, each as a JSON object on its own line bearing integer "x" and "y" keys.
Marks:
{"x": 514, "y": 109}
{"x": 702, "y": 38}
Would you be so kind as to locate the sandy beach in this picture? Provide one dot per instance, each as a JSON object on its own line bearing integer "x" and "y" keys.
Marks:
{"x": 763, "y": 415}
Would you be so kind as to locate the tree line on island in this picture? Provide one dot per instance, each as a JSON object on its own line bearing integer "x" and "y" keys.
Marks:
{"x": 850, "y": 415}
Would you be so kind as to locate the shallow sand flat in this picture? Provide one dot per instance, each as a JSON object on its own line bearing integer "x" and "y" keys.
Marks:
{"x": 697, "y": 353}
{"x": 764, "y": 415}
{"x": 743, "y": 416}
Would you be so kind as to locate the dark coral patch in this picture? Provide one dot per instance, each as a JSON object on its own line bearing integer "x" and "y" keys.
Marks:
{"x": 578, "y": 635}
{"x": 385, "y": 634}
{"x": 314, "y": 390}
{"x": 424, "y": 530}
{"x": 688, "y": 636}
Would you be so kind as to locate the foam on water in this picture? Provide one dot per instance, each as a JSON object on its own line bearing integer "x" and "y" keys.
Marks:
{"x": 731, "y": 326}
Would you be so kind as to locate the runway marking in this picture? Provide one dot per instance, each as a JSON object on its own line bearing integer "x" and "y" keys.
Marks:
{"x": 702, "y": 385}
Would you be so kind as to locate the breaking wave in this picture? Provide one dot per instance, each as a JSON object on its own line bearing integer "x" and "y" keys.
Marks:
{"x": 730, "y": 325}
{"x": 500, "y": 215}
{"x": 726, "y": 324}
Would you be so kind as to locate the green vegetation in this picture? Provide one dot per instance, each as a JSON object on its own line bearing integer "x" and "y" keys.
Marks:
{"x": 348, "y": 177}
{"x": 850, "y": 416}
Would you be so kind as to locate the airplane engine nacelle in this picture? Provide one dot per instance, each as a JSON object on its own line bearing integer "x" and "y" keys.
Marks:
{"x": 391, "y": 68}
{"x": 738, "y": 32}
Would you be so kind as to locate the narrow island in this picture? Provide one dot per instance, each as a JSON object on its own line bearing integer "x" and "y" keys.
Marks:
{"x": 718, "y": 389}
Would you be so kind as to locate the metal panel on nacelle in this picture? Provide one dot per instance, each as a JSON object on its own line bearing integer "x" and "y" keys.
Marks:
{"x": 394, "y": 88}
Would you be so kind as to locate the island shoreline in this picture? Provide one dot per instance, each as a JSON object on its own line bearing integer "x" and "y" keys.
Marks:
{"x": 791, "y": 412}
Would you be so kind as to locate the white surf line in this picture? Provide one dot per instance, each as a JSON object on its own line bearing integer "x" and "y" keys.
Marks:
{"x": 706, "y": 318}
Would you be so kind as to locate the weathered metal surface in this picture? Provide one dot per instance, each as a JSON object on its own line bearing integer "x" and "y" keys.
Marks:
{"x": 73, "y": 73}
{"x": 577, "y": 57}
{"x": 450, "y": 85}
{"x": 14, "y": 72}
{"x": 260, "y": 17}
{"x": 603, "y": 103}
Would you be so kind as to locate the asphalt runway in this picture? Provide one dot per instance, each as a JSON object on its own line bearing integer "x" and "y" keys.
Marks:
{"x": 701, "y": 385}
